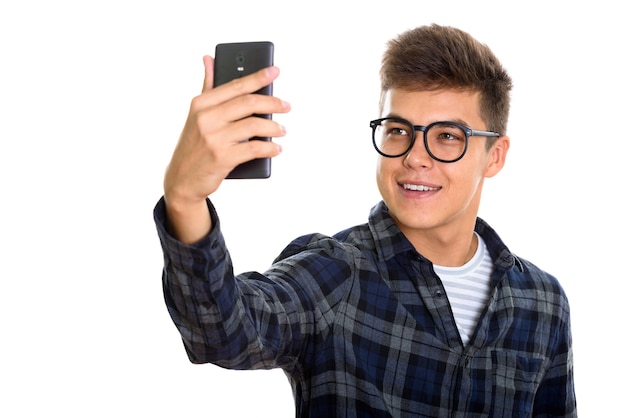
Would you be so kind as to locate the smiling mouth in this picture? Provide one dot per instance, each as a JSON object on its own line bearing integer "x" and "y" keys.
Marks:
{"x": 420, "y": 188}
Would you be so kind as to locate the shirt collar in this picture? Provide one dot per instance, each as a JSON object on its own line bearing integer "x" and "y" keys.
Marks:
{"x": 390, "y": 241}
{"x": 388, "y": 238}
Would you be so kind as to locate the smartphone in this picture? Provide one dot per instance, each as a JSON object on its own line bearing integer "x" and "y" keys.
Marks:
{"x": 238, "y": 59}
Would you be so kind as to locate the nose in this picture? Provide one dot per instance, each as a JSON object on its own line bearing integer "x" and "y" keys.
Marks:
{"x": 418, "y": 155}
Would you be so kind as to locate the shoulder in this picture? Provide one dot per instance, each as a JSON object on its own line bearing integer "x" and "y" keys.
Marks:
{"x": 528, "y": 282}
{"x": 537, "y": 277}
{"x": 535, "y": 290}
{"x": 347, "y": 243}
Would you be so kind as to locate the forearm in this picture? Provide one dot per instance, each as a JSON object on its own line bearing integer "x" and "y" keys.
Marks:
{"x": 252, "y": 320}
{"x": 211, "y": 308}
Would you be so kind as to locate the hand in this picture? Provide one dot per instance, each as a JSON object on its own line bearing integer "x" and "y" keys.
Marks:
{"x": 213, "y": 143}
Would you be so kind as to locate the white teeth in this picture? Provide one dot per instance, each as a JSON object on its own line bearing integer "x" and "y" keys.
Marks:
{"x": 419, "y": 187}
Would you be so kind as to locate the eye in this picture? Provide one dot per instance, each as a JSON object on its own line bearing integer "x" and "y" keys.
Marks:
{"x": 394, "y": 129}
{"x": 447, "y": 134}
{"x": 397, "y": 131}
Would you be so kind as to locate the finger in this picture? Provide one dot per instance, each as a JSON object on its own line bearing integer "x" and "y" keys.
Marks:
{"x": 210, "y": 120}
{"x": 254, "y": 126}
{"x": 208, "y": 73}
{"x": 242, "y": 86}
{"x": 250, "y": 150}
{"x": 231, "y": 144}
{"x": 256, "y": 148}
{"x": 253, "y": 104}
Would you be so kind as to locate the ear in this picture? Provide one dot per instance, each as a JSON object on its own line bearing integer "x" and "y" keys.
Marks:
{"x": 497, "y": 156}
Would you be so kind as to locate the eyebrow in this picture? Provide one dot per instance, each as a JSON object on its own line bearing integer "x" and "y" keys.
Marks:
{"x": 455, "y": 120}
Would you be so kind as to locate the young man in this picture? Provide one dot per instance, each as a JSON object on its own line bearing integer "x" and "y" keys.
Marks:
{"x": 423, "y": 311}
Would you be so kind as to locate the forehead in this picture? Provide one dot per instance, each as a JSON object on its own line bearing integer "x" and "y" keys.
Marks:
{"x": 423, "y": 107}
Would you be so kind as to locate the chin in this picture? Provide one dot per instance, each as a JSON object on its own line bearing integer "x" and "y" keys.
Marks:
{"x": 411, "y": 219}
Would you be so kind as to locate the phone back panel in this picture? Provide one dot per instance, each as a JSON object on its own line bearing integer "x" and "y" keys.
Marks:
{"x": 234, "y": 60}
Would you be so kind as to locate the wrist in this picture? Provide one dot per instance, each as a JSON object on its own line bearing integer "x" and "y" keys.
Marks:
{"x": 189, "y": 221}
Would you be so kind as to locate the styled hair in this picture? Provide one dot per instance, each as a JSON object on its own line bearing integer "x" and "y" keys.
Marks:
{"x": 436, "y": 57}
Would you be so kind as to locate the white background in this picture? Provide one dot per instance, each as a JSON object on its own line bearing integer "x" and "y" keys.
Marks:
{"x": 93, "y": 96}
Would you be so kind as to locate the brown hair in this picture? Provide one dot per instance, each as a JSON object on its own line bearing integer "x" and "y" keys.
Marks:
{"x": 441, "y": 57}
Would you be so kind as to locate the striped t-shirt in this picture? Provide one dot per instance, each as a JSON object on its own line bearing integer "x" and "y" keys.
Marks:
{"x": 467, "y": 288}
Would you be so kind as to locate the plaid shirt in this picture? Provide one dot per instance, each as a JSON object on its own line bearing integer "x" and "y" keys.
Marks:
{"x": 361, "y": 325}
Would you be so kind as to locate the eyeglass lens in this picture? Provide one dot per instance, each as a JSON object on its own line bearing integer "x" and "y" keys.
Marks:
{"x": 445, "y": 141}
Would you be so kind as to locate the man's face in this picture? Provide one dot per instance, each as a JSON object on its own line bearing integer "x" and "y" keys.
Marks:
{"x": 424, "y": 195}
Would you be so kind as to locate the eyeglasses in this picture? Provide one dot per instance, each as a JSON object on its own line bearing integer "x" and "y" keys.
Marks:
{"x": 444, "y": 141}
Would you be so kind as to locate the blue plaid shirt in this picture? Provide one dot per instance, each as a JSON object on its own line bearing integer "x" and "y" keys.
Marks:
{"x": 361, "y": 325}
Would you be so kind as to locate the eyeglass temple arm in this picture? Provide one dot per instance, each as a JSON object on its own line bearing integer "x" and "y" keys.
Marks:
{"x": 474, "y": 132}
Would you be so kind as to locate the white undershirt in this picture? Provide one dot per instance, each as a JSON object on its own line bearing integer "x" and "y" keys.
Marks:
{"x": 467, "y": 288}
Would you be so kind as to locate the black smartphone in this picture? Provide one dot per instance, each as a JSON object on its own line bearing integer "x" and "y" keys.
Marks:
{"x": 238, "y": 59}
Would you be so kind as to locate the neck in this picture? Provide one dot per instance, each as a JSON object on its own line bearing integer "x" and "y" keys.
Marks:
{"x": 449, "y": 250}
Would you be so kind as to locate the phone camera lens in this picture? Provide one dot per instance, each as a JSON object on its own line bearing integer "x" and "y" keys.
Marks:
{"x": 241, "y": 59}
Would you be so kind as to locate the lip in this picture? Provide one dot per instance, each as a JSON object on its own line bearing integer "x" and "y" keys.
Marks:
{"x": 418, "y": 188}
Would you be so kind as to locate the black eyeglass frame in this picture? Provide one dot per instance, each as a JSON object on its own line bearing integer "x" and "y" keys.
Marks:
{"x": 414, "y": 128}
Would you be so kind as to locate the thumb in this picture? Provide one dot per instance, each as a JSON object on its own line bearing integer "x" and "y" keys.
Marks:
{"x": 208, "y": 73}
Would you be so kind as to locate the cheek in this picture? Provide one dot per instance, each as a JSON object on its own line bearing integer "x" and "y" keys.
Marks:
{"x": 470, "y": 168}
{"x": 464, "y": 183}
{"x": 385, "y": 169}
{"x": 380, "y": 177}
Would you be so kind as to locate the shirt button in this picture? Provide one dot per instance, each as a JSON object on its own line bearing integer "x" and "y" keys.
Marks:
{"x": 439, "y": 293}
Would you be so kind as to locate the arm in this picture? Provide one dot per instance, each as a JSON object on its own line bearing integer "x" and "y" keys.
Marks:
{"x": 210, "y": 146}
{"x": 555, "y": 396}
{"x": 252, "y": 320}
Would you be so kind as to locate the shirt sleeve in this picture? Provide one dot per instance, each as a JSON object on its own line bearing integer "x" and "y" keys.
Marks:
{"x": 253, "y": 320}
{"x": 555, "y": 396}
